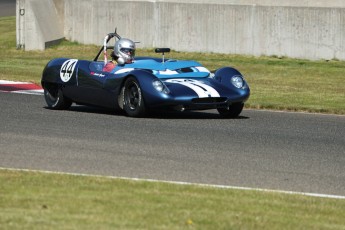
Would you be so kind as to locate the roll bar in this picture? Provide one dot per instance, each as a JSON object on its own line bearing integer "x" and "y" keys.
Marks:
{"x": 115, "y": 34}
{"x": 104, "y": 47}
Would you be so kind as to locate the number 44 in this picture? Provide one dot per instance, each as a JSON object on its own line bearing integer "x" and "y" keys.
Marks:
{"x": 67, "y": 69}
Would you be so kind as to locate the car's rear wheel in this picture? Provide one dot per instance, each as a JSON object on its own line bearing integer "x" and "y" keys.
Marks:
{"x": 55, "y": 99}
{"x": 133, "y": 104}
{"x": 232, "y": 111}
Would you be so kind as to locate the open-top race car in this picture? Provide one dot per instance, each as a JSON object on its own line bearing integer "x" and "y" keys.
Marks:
{"x": 142, "y": 84}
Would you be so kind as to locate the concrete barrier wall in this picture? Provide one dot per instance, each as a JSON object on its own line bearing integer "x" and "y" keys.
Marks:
{"x": 38, "y": 24}
{"x": 301, "y": 29}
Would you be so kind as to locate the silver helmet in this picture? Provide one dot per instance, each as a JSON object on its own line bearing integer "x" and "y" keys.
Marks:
{"x": 124, "y": 49}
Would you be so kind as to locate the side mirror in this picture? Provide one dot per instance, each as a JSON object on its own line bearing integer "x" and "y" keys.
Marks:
{"x": 162, "y": 51}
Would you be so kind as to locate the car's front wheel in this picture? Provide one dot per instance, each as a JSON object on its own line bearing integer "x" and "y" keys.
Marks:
{"x": 55, "y": 99}
{"x": 133, "y": 99}
{"x": 232, "y": 111}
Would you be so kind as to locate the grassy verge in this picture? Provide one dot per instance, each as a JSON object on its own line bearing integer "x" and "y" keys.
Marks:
{"x": 31, "y": 200}
{"x": 276, "y": 83}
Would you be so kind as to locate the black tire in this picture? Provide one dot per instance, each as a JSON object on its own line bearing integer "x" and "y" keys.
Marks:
{"x": 55, "y": 99}
{"x": 232, "y": 111}
{"x": 133, "y": 99}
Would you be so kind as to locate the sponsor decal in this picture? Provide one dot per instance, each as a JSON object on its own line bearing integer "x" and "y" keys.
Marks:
{"x": 199, "y": 87}
{"x": 67, "y": 69}
{"x": 97, "y": 74}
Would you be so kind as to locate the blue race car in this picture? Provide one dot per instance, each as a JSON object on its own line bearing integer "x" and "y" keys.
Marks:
{"x": 144, "y": 84}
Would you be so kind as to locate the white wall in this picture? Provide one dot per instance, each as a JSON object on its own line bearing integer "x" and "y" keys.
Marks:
{"x": 311, "y": 29}
{"x": 38, "y": 24}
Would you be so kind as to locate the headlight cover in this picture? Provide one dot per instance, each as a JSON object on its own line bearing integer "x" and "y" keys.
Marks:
{"x": 237, "y": 81}
{"x": 160, "y": 86}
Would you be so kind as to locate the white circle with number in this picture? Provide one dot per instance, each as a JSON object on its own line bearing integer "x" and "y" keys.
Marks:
{"x": 67, "y": 69}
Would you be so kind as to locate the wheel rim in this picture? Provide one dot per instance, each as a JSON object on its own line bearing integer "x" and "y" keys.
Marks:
{"x": 133, "y": 96}
{"x": 52, "y": 97}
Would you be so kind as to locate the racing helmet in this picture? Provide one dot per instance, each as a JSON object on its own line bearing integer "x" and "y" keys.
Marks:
{"x": 124, "y": 49}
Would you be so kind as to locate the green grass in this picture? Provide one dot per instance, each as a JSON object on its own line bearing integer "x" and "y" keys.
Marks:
{"x": 276, "y": 83}
{"x": 32, "y": 200}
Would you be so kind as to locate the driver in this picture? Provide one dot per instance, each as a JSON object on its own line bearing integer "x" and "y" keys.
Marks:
{"x": 124, "y": 51}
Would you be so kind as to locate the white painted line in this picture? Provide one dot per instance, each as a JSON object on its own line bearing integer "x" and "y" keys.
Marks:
{"x": 20, "y": 87}
{"x": 13, "y": 82}
{"x": 293, "y": 112}
{"x": 185, "y": 183}
{"x": 33, "y": 92}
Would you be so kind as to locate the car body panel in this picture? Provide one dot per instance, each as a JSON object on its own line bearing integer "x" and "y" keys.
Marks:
{"x": 190, "y": 85}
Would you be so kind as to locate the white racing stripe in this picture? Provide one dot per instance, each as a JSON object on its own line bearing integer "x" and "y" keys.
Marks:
{"x": 185, "y": 183}
{"x": 200, "y": 88}
{"x": 124, "y": 70}
{"x": 202, "y": 69}
{"x": 168, "y": 72}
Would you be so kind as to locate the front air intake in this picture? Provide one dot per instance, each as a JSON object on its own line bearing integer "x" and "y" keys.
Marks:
{"x": 209, "y": 100}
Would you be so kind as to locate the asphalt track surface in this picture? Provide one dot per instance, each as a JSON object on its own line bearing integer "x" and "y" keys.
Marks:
{"x": 262, "y": 149}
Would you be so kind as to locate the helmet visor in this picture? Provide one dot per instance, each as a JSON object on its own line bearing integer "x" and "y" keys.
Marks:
{"x": 128, "y": 51}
